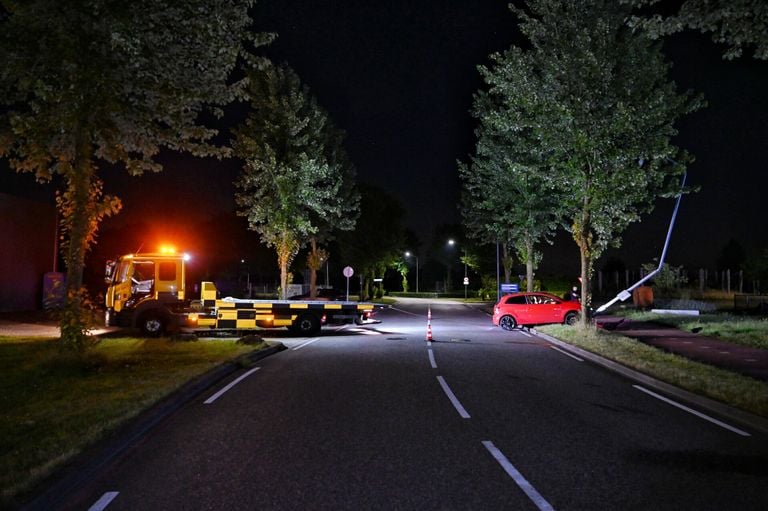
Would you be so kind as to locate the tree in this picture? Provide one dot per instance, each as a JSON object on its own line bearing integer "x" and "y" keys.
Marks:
{"x": 295, "y": 185}
{"x": 343, "y": 216}
{"x": 507, "y": 189}
{"x": 602, "y": 111}
{"x": 379, "y": 238}
{"x": 739, "y": 24}
{"x": 84, "y": 83}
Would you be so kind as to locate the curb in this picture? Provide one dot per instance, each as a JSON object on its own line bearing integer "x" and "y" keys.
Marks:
{"x": 84, "y": 467}
{"x": 746, "y": 418}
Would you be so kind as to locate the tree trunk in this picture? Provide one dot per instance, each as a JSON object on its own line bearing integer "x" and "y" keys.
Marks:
{"x": 586, "y": 271}
{"x": 529, "y": 264}
{"x": 283, "y": 262}
{"x": 313, "y": 267}
{"x": 77, "y": 217}
{"x": 507, "y": 262}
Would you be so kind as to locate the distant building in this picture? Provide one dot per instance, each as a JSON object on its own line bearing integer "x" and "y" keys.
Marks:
{"x": 27, "y": 251}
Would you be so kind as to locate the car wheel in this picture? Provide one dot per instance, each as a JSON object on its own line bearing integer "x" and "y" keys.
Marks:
{"x": 152, "y": 324}
{"x": 571, "y": 318}
{"x": 508, "y": 323}
{"x": 307, "y": 324}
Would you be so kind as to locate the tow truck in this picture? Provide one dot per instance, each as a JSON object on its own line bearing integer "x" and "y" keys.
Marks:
{"x": 148, "y": 291}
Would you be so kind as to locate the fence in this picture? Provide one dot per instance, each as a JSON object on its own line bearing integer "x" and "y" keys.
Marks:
{"x": 703, "y": 279}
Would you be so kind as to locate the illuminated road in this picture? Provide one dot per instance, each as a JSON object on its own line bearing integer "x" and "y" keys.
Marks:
{"x": 376, "y": 418}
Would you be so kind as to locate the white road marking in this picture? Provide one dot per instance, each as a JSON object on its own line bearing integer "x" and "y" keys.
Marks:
{"x": 566, "y": 353}
{"x": 521, "y": 481}
{"x": 232, "y": 384}
{"x": 452, "y": 397}
{"x": 432, "y": 359}
{"x": 305, "y": 344}
{"x": 694, "y": 412}
{"x": 525, "y": 333}
{"x": 104, "y": 501}
{"x": 406, "y": 312}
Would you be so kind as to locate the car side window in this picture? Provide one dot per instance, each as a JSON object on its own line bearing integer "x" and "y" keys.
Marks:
{"x": 516, "y": 300}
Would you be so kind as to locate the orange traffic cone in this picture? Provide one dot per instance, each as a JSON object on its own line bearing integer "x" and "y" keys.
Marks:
{"x": 429, "y": 314}
{"x": 429, "y": 331}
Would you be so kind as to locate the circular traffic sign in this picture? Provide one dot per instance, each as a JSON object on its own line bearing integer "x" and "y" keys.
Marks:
{"x": 348, "y": 271}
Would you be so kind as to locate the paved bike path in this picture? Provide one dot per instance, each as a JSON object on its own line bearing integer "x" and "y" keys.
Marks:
{"x": 733, "y": 357}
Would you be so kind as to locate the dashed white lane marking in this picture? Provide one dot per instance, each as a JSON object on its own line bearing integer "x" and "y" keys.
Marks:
{"x": 104, "y": 501}
{"x": 521, "y": 481}
{"x": 567, "y": 354}
{"x": 432, "y": 359}
{"x": 454, "y": 401}
{"x": 305, "y": 344}
{"x": 694, "y": 412}
{"x": 225, "y": 389}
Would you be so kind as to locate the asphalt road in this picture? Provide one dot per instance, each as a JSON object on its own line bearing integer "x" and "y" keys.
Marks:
{"x": 375, "y": 418}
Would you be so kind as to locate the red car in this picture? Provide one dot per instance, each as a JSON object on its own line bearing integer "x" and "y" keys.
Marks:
{"x": 522, "y": 309}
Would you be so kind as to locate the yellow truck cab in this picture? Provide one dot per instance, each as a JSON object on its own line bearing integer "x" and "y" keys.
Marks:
{"x": 145, "y": 290}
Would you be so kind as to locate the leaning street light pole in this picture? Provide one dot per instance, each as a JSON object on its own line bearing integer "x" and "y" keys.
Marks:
{"x": 627, "y": 293}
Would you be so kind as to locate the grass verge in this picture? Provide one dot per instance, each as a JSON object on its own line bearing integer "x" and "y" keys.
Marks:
{"x": 54, "y": 405}
{"x": 727, "y": 387}
{"x": 727, "y": 327}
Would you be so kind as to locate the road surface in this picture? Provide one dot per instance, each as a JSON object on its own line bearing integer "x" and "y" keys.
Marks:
{"x": 377, "y": 418}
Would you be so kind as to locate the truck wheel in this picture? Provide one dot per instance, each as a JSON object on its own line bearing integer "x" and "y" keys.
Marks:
{"x": 152, "y": 324}
{"x": 307, "y": 324}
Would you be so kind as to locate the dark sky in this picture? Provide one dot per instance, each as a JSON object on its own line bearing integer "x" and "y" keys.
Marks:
{"x": 398, "y": 77}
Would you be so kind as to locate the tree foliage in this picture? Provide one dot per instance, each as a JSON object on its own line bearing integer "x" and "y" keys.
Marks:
{"x": 296, "y": 183}
{"x": 508, "y": 191}
{"x": 83, "y": 83}
{"x": 601, "y": 110}
{"x": 739, "y": 24}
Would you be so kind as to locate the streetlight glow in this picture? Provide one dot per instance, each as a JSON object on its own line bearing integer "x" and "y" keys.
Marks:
{"x": 408, "y": 254}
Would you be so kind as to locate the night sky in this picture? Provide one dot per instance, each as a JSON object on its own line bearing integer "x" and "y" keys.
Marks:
{"x": 398, "y": 77}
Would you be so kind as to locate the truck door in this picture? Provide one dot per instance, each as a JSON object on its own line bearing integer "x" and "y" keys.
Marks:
{"x": 120, "y": 290}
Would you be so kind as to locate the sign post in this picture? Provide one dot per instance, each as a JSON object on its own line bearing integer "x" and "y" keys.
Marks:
{"x": 348, "y": 272}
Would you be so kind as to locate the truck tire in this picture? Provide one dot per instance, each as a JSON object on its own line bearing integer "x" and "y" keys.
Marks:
{"x": 152, "y": 324}
{"x": 307, "y": 324}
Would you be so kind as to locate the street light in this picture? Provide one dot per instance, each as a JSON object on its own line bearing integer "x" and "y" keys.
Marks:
{"x": 408, "y": 254}
{"x": 451, "y": 243}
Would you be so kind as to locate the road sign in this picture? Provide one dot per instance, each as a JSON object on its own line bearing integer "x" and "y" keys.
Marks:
{"x": 510, "y": 288}
{"x": 466, "y": 281}
{"x": 348, "y": 271}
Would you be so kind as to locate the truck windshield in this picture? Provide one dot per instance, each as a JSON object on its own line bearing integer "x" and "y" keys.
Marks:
{"x": 121, "y": 275}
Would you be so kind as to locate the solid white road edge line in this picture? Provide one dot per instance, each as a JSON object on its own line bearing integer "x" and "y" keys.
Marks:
{"x": 432, "y": 359}
{"x": 235, "y": 382}
{"x": 104, "y": 501}
{"x": 694, "y": 412}
{"x": 452, "y": 397}
{"x": 525, "y": 333}
{"x": 305, "y": 344}
{"x": 521, "y": 481}
{"x": 566, "y": 353}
